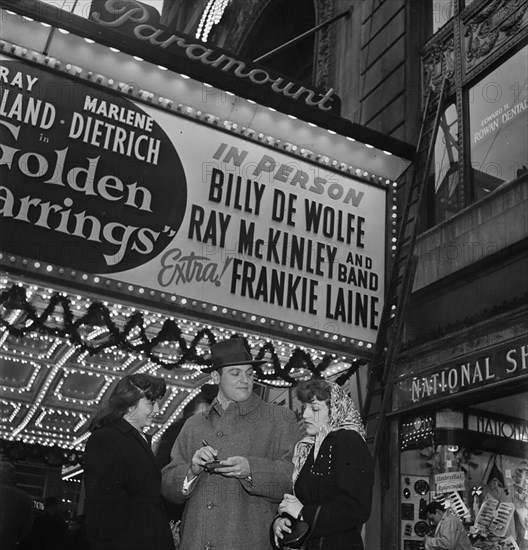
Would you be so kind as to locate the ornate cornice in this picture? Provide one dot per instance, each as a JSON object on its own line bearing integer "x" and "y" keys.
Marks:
{"x": 439, "y": 61}
{"x": 491, "y": 26}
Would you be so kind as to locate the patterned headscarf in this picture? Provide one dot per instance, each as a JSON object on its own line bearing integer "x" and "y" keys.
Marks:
{"x": 344, "y": 415}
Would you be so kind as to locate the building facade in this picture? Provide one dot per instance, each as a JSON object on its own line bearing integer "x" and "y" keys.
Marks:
{"x": 160, "y": 193}
{"x": 458, "y": 419}
{"x": 459, "y": 393}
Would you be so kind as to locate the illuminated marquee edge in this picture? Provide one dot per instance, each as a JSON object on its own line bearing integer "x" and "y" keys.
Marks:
{"x": 292, "y": 332}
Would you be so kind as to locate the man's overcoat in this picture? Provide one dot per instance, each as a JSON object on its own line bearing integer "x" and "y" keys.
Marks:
{"x": 226, "y": 513}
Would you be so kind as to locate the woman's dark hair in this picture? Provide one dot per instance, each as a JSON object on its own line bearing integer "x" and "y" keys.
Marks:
{"x": 127, "y": 393}
{"x": 314, "y": 389}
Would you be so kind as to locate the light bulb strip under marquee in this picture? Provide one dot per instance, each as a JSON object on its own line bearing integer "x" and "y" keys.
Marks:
{"x": 289, "y": 330}
{"x": 296, "y": 353}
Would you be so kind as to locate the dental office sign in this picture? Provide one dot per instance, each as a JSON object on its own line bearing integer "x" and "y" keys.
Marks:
{"x": 100, "y": 184}
{"x": 497, "y": 366}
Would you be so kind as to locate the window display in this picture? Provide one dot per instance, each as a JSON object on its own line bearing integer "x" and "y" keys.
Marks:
{"x": 475, "y": 462}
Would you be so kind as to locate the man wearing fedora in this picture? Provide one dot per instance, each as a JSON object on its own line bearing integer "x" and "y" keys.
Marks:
{"x": 232, "y": 506}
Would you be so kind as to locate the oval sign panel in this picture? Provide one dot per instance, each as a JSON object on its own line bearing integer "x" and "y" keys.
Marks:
{"x": 88, "y": 179}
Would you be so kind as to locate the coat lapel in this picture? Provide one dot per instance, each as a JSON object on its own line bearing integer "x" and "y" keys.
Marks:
{"x": 126, "y": 427}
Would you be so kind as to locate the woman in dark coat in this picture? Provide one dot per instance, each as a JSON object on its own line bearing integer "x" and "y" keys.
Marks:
{"x": 124, "y": 510}
{"x": 333, "y": 472}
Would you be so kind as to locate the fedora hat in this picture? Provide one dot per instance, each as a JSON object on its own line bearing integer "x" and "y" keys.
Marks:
{"x": 227, "y": 353}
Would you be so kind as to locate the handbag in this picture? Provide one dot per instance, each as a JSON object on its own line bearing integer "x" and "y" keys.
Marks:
{"x": 300, "y": 531}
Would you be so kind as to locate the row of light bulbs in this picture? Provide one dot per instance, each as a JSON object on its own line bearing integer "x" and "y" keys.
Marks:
{"x": 70, "y": 439}
{"x": 131, "y": 289}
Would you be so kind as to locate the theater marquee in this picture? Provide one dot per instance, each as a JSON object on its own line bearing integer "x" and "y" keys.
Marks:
{"x": 192, "y": 215}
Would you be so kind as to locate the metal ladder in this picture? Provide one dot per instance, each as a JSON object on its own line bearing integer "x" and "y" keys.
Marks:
{"x": 386, "y": 349}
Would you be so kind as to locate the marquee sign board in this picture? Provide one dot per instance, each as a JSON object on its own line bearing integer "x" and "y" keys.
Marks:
{"x": 145, "y": 198}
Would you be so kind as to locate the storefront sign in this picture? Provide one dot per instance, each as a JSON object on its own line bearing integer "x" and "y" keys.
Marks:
{"x": 96, "y": 182}
{"x": 450, "y": 481}
{"x": 477, "y": 371}
{"x": 508, "y": 428}
{"x": 134, "y": 19}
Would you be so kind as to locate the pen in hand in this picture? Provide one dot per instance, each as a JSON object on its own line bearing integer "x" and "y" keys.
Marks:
{"x": 204, "y": 442}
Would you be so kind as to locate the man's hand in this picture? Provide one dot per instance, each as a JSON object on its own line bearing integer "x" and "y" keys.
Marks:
{"x": 201, "y": 457}
{"x": 234, "y": 466}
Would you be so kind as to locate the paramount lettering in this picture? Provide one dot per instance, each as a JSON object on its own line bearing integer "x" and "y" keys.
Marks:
{"x": 137, "y": 13}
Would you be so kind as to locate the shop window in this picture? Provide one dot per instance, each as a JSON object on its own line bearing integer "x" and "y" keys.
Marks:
{"x": 474, "y": 461}
{"x": 498, "y": 111}
{"x": 448, "y": 193}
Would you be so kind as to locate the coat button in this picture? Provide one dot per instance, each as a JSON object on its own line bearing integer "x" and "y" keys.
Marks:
{"x": 219, "y": 434}
{"x": 210, "y": 505}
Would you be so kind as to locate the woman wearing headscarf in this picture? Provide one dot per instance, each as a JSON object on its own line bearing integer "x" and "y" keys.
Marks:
{"x": 333, "y": 472}
{"x": 124, "y": 510}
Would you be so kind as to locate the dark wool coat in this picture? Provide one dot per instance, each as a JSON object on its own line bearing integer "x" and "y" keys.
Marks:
{"x": 123, "y": 504}
{"x": 226, "y": 513}
{"x": 341, "y": 481}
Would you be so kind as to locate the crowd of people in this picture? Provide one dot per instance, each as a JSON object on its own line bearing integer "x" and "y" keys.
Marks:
{"x": 234, "y": 473}
{"x": 240, "y": 474}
